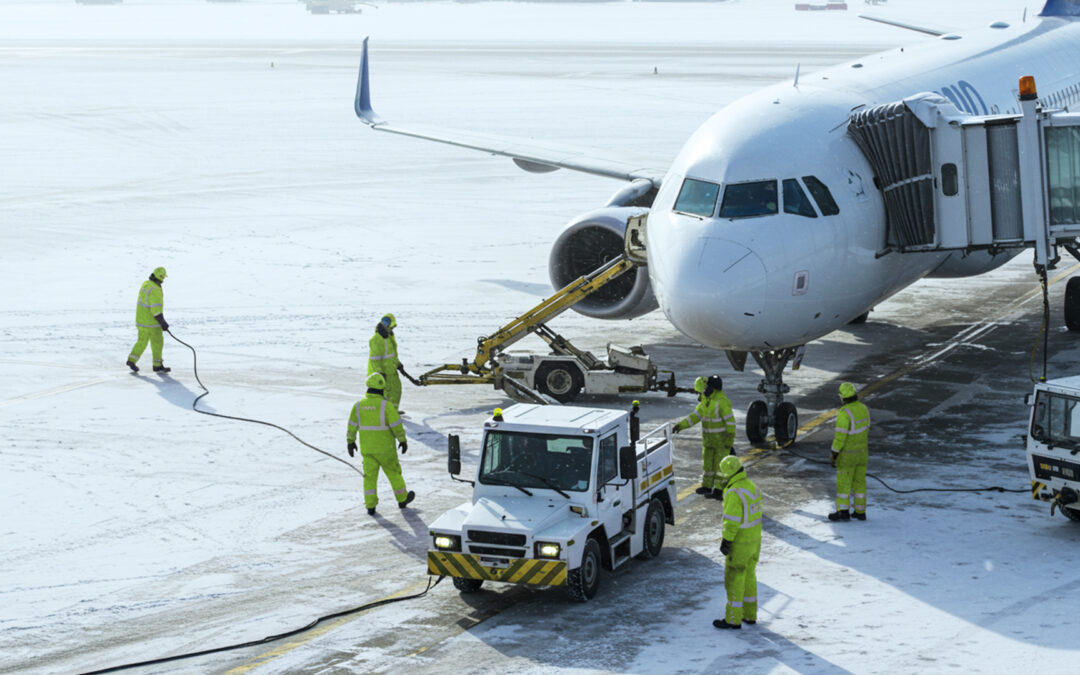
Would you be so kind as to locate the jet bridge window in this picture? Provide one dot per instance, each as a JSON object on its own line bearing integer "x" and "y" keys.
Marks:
{"x": 796, "y": 201}
{"x": 697, "y": 198}
{"x": 821, "y": 195}
{"x": 743, "y": 200}
{"x": 1063, "y": 165}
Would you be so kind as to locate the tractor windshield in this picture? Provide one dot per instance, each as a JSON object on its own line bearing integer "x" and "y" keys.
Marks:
{"x": 1056, "y": 421}
{"x": 533, "y": 460}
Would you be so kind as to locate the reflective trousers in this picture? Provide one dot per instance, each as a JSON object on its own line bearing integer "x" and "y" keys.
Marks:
{"x": 740, "y": 582}
{"x": 711, "y": 454}
{"x": 851, "y": 479}
{"x": 392, "y": 390}
{"x": 387, "y": 461}
{"x": 156, "y": 339}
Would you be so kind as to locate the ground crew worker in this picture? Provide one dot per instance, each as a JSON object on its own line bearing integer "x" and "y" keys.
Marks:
{"x": 375, "y": 422}
{"x": 383, "y": 357}
{"x": 850, "y": 454}
{"x": 741, "y": 545}
{"x": 150, "y": 320}
{"x": 717, "y": 431}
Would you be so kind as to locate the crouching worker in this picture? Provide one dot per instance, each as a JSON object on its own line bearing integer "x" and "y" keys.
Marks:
{"x": 375, "y": 422}
{"x": 741, "y": 545}
{"x": 717, "y": 431}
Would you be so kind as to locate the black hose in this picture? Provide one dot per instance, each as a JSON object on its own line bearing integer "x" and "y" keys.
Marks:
{"x": 888, "y": 487}
{"x": 269, "y": 638}
{"x": 195, "y": 403}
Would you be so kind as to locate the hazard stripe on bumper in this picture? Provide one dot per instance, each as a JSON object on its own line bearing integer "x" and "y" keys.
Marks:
{"x": 520, "y": 570}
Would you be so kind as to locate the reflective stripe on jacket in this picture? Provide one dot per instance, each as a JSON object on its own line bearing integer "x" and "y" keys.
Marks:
{"x": 717, "y": 419}
{"x": 150, "y": 304}
{"x": 742, "y": 510}
{"x": 851, "y": 438}
{"x": 382, "y": 354}
{"x": 376, "y": 423}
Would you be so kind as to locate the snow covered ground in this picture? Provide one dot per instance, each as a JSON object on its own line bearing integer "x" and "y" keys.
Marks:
{"x": 218, "y": 140}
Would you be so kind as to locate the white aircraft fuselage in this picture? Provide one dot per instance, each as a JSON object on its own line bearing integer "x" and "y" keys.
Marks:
{"x": 758, "y": 283}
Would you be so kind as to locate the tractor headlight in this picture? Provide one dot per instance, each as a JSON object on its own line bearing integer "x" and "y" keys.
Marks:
{"x": 547, "y": 550}
{"x": 445, "y": 542}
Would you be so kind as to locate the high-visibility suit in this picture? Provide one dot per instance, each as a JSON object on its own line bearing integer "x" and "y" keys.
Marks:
{"x": 374, "y": 424}
{"x": 383, "y": 359}
{"x": 742, "y": 527}
{"x": 151, "y": 304}
{"x": 850, "y": 448}
{"x": 717, "y": 434}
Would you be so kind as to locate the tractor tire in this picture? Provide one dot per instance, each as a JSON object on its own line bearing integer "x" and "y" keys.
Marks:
{"x": 654, "y": 531}
{"x": 582, "y": 582}
{"x": 1072, "y": 304}
{"x": 467, "y": 585}
{"x": 559, "y": 380}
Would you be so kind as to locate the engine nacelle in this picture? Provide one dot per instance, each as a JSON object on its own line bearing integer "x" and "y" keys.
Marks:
{"x": 585, "y": 244}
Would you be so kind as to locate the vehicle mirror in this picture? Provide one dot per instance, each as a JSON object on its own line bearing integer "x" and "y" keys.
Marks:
{"x": 627, "y": 462}
{"x": 453, "y": 454}
{"x": 1027, "y": 398}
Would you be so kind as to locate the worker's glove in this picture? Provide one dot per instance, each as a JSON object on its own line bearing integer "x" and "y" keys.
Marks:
{"x": 161, "y": 320}
{"x": 675, "y": 430}
{"x": 832, "y": 459}
{"x": 731, "y": 450}
{"x": 725, "y": 547}
{"x": 403, "y": 446}
{"x": 352, "y": 449}
{"x": 401, "y": 369}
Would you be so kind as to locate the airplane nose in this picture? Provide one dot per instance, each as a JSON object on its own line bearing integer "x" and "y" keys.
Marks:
{"x": 713, "y": 290}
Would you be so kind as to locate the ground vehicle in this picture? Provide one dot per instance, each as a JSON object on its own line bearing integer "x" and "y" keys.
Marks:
{"x": 1053, "y": 445}
{"x": 560, "y": 492}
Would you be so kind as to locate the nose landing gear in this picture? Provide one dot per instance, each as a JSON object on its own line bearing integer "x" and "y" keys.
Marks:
{"x": 774, "y": 411}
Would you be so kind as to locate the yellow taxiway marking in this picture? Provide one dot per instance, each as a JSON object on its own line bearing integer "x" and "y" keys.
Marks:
{"x": 317, "y": 632}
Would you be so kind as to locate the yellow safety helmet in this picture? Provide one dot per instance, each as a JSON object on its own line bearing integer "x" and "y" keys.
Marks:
{"x": 700, "y": 384}
{"x": 497, "y": 416}
{"x": 847, "y": 390}
{"x": 388, "y": 320}
{"x": 729, "y": 466}
{"x": 376, "y": 381}
{"x": 160, "y": 273}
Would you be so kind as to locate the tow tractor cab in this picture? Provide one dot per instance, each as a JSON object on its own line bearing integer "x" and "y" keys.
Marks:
{"x": 560, "y": 493}
{"x": 1053, "y": 445}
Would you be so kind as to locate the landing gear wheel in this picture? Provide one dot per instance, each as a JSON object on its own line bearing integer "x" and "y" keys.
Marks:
{"x": 860, "y": 319}
{"x": 654, "y": 531}
{"x": 785, "y": 423}
{"x": 757, "y": 422}
{"x": 467, "y": 585}
{"x": 581, "y": 583}
{"x": 1072, "y": 304}
{"x": 560, "y": 381}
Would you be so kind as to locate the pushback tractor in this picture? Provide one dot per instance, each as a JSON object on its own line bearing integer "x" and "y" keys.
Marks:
{"x": 561, "y": 492}
{"x": 1053, "y": 445}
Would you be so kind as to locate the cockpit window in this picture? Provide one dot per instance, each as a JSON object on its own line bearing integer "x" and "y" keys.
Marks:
{"x": 796, "y": 201}
{"x": 821, "y": 195}
{"x": 697, "y": 198}
{"x": 743, "y": 200}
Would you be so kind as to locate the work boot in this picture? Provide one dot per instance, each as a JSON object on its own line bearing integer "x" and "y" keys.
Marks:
{"x": 371, "y": 511}
{"x": 131, "y": 364}
{"x": 702, "y": 490}
{"x": 840, "y": 515}
{"x": 859, "y": 516}
{"x": 750, "y": 621}
{"x": 408, "y": 498}
{"x": 162, "y": 369}
{"x": 722, "y": 623}
{"x": 717, "y": 493}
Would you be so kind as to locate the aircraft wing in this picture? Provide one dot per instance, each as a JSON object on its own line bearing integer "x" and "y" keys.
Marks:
{"x": 531, "y": 155}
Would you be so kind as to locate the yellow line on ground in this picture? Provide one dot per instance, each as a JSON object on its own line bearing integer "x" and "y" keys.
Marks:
{"x": 317, "y": 632}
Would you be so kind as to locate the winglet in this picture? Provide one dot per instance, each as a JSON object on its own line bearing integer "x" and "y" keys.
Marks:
{"x": 362, "y": 104}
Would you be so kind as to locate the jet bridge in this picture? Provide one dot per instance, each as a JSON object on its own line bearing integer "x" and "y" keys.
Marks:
{"x": 953, "y": 181}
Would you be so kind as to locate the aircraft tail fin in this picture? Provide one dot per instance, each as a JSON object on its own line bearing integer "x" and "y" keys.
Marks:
{"x": 1061, "y": 8}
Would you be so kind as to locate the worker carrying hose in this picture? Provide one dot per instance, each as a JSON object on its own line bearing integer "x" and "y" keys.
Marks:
{"x": 850, "y": 454}
{"x": 383, "y": 358}
{"x": 717, "y": 431}
{"x": 375, "y": 423}
{"x": 150, "y": 321}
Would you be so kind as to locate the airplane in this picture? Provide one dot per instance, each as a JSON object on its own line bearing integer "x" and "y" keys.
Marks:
{"x": 770, "y": 229}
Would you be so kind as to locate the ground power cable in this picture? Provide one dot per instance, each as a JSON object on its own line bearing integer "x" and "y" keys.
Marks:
{"x": 195, "y": 403}
{"x": 269, "y": 638}
{"x": 994, "y": 488}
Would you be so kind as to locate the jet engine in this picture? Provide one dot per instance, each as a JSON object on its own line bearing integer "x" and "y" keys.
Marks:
{"x": 585, "y": 244}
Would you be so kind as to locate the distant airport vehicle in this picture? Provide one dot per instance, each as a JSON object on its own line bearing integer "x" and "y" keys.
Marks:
{"x": 1053, "y": 445}
{"x": 773, "y": 227}
{"x": 334, "y": 6}
{"x": 561, "y": 492}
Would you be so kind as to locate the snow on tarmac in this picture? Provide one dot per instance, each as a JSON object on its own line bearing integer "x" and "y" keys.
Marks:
{"x": 218, "y": 139}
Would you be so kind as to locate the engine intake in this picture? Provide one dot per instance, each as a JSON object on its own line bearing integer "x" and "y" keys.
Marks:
{"x": 585, "y": 244}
